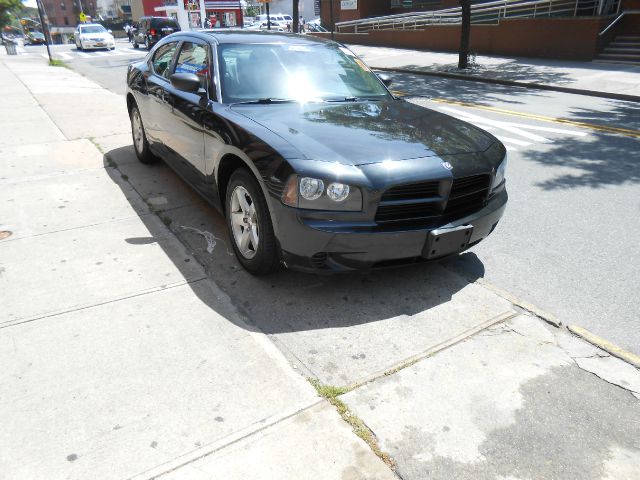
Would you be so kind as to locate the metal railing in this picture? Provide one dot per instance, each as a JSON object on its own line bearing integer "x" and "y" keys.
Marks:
{"x": 617, "y": 19}
{"x": 489, "y": 13}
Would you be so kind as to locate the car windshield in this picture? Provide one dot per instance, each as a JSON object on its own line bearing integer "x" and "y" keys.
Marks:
{"x": 92, "y": 29}
{"x": 303, "y": 73}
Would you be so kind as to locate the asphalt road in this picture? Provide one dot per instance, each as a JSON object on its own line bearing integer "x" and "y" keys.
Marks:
{"x": 569, "y": 240}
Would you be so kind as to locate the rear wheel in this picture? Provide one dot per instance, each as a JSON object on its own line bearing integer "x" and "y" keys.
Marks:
{"x": 140, "y": 143}
{"x": 250, "y": 225}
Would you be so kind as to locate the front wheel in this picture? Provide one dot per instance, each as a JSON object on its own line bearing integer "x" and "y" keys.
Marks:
{"x": 140, "y": 142}
{"x": 250, "y": 225}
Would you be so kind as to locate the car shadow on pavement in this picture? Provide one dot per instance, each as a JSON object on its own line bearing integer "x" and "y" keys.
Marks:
{"x": 286, "y": 301}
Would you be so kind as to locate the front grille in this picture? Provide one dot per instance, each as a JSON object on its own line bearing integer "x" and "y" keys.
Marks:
{"x": 419, "y": 204}
{"x": 405, "y": 212}
{"x": 412, "y": 191}
{"x": 411, "y": 203}
{"x": 468, "y": 194}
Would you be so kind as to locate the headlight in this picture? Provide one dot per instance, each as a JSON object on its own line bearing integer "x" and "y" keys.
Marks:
{"x": 500, "y": 174}
{"x": 338, "y": 192}
{"x": 311, "y": 188}
{"x": 310, "y": 193}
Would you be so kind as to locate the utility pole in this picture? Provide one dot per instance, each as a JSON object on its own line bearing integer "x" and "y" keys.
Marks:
{"x": 45, "y": 28}
{"x": 465, "y": 30}
{"x": 268, "y": 18}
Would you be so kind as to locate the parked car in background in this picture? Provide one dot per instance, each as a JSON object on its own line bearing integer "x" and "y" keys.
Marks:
{"x": 275, "y": 26}
{"x": 152, "y": 29}
{"x": 34, "y": 38}
{"x": 314, "y": 163}
{"x": 92, "y": 36}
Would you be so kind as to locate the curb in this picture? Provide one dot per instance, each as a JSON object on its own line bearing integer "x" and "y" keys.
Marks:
{"x": 511, "y": 83}
{"x": 605, "y": 345}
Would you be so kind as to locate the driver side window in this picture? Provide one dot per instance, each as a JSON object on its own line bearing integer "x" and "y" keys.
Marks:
{"x": 162, "y": 59}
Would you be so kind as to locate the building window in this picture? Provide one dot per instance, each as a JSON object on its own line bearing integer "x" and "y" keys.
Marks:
{"x": 63, "y": 6}
{"x": 66, "y": 21}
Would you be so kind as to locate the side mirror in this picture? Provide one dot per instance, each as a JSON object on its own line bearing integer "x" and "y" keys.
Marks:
{"x": 386, "y": 79}
{"x": 109, "y": 31}
{"x": 187, "y": 82}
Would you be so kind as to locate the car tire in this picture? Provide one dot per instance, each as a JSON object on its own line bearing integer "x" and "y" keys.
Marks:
{"x": 135, "y": 44}
{"x": 250, "y": 224}
{"x": 79, "y": 47}
{"x": 140, "y": 142}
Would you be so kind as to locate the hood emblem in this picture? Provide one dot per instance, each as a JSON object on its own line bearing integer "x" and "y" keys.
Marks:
{"x": 447, "y": 166}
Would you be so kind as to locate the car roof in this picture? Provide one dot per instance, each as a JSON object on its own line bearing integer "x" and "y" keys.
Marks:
{"x": 241, "y": 36}
{"x": 90, "y": 25}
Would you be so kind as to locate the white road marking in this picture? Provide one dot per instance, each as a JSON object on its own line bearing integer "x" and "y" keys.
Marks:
{"x": 517, "y": 129}
{"x": 83, "y": 55}
{"x": 504, "y": 139}
{"x": 65, "y": 56}
{"x": 508, "y": 126}
{"x": 101, "y": 53}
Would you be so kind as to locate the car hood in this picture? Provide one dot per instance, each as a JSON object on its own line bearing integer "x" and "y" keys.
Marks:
{"x": 359, "y": 133}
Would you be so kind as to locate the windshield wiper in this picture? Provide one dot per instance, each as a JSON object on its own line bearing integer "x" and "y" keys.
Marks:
{"x": 265, "y": 101}
{"x": 370, "y": 98}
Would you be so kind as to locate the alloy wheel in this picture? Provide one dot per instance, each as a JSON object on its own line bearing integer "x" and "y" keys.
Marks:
{"x": 138, "y": 131}
{"x": 244, "y": 222}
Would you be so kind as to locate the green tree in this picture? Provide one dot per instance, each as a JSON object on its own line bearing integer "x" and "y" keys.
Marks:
{"x": 7, "y": 8}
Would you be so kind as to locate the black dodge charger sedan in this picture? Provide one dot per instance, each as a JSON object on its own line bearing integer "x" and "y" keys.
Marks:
{"x": 313, "y": 162}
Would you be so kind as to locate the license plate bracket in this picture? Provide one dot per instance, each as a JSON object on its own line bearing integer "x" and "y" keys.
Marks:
{"x": 446, "y": 241}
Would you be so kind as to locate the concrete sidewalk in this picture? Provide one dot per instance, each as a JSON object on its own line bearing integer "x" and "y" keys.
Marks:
{"x": 134, "y": 350}
{"x": 585, "y": 77}
{"x": 119, "y": 358}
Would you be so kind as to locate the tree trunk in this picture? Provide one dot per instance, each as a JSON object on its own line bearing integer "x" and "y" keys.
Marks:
{"x": 296, "y": 17}
{"x": 465, "y": 30}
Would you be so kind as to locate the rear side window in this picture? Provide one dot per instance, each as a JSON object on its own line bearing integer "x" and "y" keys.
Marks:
{"x": 161, "y": 23}
{"x": 162, "y": 59}
{"x": 194, "y": 58}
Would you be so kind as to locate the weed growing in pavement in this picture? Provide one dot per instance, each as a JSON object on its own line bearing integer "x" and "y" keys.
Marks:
{"x": 124, "y": 177}
{"x": 166, "y": 220}
{"x": 58, "y": 63}
{"x": 331, "y": 394}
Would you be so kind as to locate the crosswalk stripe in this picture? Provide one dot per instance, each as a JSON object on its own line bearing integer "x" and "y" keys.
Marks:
{"x": 101, "y": 53}
{"x": 504, "y": 139}
{"x": 83, "y": 55}
{"x": 65, "y": 56}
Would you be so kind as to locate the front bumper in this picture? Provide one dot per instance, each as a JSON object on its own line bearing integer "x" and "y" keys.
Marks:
{"x": 312, "y": 248}
{"x": 87, "y": 44}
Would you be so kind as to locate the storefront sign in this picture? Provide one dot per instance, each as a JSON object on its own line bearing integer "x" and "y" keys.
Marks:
{"x": 348, "y": 4}
{"x": 191, "y": 5}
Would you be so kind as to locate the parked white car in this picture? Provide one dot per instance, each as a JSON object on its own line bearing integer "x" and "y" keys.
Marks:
{"x": 92, "y": 36}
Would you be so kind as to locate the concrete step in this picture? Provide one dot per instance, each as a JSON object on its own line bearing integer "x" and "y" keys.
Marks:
{"x": 618, "y": 50}
{"x": 625, "y": 44}
{"x": 616, "y": 62}
{"x": 619, "y": 56}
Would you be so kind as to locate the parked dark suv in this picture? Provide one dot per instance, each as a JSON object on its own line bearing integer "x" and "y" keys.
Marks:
{"x": 152, "y": 29}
